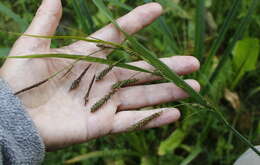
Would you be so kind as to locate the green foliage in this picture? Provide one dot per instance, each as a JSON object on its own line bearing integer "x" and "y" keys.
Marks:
{"x": 200, "y": 29}
{"x": 172, "y": 142}
{"x": 95, "y": 154}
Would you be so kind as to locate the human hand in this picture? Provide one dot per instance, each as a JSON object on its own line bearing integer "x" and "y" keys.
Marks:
{"x": 61, "y": 116}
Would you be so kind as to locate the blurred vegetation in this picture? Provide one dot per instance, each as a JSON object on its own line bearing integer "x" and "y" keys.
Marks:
{"x": 229, "y": 76}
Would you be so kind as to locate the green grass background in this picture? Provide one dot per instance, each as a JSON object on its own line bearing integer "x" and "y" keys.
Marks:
{"x": 186, "y": 28}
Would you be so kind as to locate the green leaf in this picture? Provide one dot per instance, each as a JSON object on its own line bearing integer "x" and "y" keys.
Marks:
{"x": 245, "y": 55}
{"x": 86, "y": 39}
{"x": 172, "y": 142}
{"x": 85, "y": 58}
{"x": 221, "y": 36}
{"x": 102, "y": 154}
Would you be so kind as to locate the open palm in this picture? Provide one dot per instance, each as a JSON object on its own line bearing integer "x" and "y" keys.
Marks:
{"x": 60, "y": 115}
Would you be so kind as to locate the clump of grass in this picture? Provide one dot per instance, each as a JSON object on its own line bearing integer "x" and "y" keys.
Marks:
{"x": 142, "y": 123}
{"x": 171, "y": 76}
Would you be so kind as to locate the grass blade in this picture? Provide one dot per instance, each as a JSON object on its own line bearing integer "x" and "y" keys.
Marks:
{"x": 85, "y": 19}
{"x": 84, "y": 58}
{"x": 227, "y": 53}
{"x": 161, "y": 25}
{"x": 8, "y": 12}
{"x": 199, "y": 29}
{"x": 222, "y": 33}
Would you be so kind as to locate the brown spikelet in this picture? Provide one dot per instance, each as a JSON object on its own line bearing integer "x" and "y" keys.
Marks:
{"x": 86, "y": 98}
{"x": 142, "y": 123}
{"x": 75, "y": 83}
{"x": 114, "y": 89}
{"x": 131, "y": 52}
{"x": 103, "y": 46}
{"x": 124, "y": 83}
{"x": 103, "y": 73}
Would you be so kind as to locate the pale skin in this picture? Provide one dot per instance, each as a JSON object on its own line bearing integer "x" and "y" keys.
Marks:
{"x": 60, "y": 116}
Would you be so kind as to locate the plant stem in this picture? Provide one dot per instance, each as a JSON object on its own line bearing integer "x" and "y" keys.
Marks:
{"x": 242, "y": 138}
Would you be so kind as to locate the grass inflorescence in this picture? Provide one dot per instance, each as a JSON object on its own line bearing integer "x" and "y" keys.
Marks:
{"x": 102, "y": 101}
{"x": 75, "y": 83}
{"x": 142, "y": 123}
{"x": 124, "y": 83}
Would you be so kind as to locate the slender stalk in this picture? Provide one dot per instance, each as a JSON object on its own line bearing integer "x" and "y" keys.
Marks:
{"x": 241, "y": 137}
{"x": 31, "y": 87}
{"x": 84, "y": 58}
{"x": 86, "y": 98}
{"x": 69, "y": 67}
{"x": 41, "y": 82}
{"x": 67, "y": 72}
{"x": 79, "y": 59}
